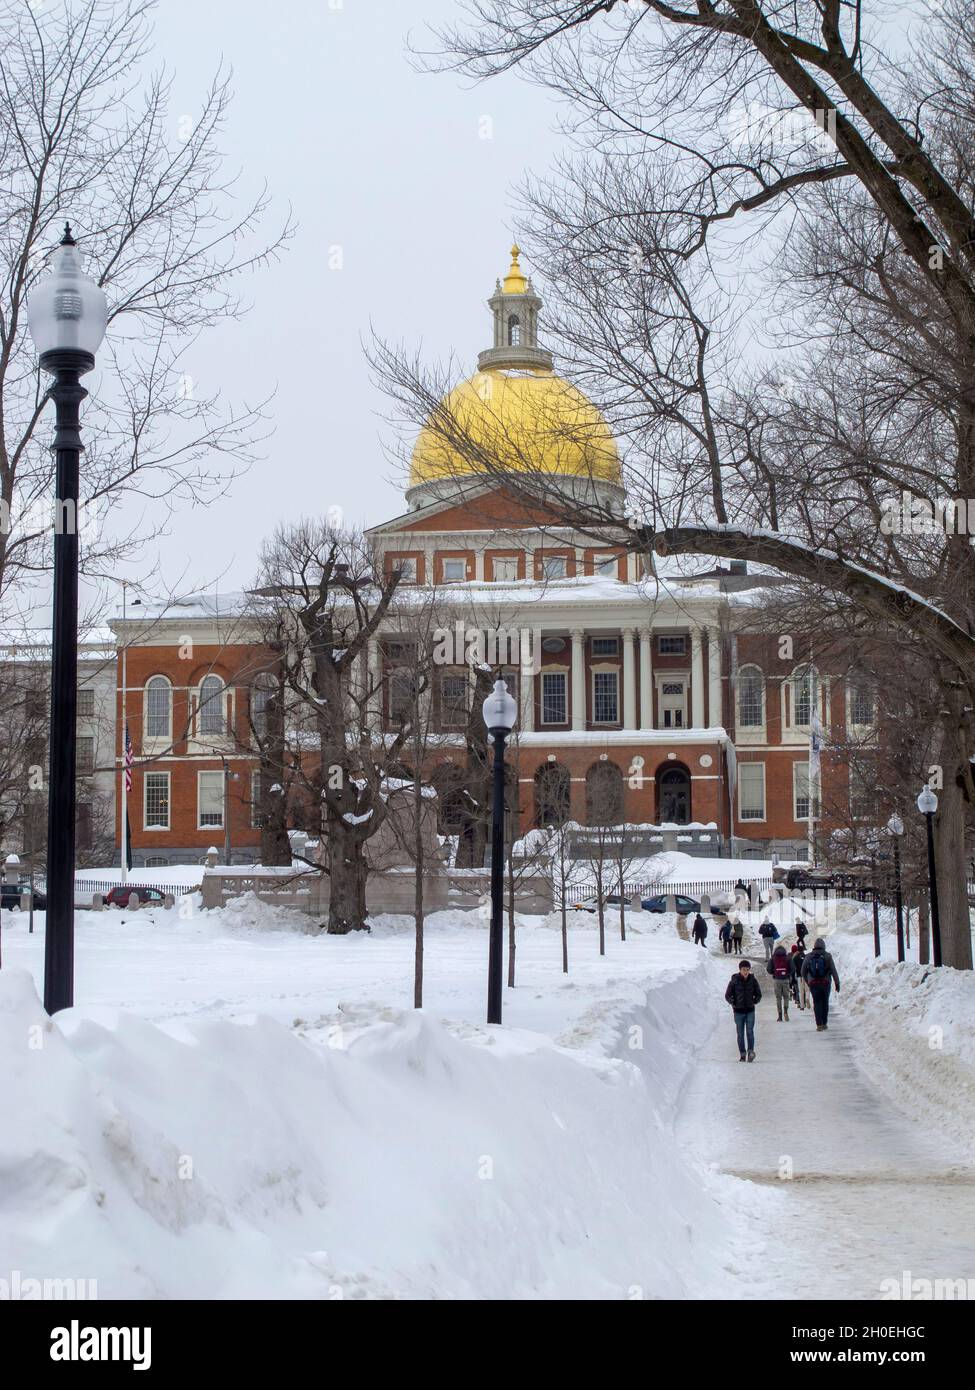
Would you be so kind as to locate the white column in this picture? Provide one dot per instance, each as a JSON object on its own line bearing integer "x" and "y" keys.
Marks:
{"x": 697, "y": 679}
{"x": 646, "y": 679}
{"x": 629, "y": 680}
{"x": 526, "y": 694}
{"x": 374, "y": 671}
{"x": 714, "y": 678}
{"x": 578, "y": 679}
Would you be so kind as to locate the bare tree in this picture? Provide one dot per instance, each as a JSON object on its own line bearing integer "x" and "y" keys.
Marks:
{"x": 86, "y": 134}
{"x": 775, "y": 139}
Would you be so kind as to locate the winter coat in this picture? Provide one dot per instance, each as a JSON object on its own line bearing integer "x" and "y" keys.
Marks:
{"x": 780, "y": 954}
{"x": 725, "y": 932}
{"x": 831, "y": 972}
{"x": 767, "y": 929}
{"x": 700, "y": 927}
{"x": 743, "y": 993}
{"x": 738, "y": 931}
{"x": 802, "y": 931}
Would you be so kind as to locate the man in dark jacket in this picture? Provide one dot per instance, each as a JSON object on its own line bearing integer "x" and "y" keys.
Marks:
{"x": 700, "y": 932}
{"x": 725, "y": 935}
{"x": 802, "y": 931}
{"x": 743, "y": 993}
{"x": 820, "y": 974}
{"x": 768, "y": 932}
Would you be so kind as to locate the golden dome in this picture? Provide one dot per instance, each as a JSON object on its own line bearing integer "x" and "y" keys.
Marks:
{"x": 517, "y": 421}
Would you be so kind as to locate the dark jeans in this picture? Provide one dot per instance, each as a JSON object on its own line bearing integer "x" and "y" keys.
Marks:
{"x": 699, "y": 938}
{"x": 743, "y": 1022}
{"x": 820, "y": 994}
{"x": 726, "y": 940}
{"x": 736, "y": 942}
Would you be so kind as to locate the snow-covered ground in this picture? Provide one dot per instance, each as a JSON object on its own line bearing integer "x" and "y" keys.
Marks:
{"x": 236, "y": 1107}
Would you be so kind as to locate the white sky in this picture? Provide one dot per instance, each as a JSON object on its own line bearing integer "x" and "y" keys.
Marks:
{"x": 387, "y": 163}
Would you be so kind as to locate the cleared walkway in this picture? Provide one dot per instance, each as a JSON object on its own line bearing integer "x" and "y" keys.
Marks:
{"x": 863, "y": 1192}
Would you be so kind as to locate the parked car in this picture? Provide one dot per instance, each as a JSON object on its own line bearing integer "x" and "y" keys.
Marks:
{"x": 119, "y": 897}
{"x": 10, "y": 896}
{"x": 683, "y": 904}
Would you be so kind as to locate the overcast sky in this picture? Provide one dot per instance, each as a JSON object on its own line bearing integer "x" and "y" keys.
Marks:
{"x": 390, "y": 165}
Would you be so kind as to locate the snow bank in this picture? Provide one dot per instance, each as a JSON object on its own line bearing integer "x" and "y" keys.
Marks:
{"x": 373, "y": 1153}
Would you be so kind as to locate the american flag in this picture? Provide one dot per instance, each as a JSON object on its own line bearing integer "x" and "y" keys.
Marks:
{"x": 128, "y": 759}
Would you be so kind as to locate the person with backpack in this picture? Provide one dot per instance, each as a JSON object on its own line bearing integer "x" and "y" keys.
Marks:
{"x": 725, "y": 935}
{"x": 819, "y": 972}
{"x": 743, "y": 993}
{"x": 778, "y": 967}
{"x": 737, "y": 936}
{"x": 802, "y": 931}
{"x": 768, "y": 932}
{"x": 700, "y": 932}
{"x": 800, "y": 990}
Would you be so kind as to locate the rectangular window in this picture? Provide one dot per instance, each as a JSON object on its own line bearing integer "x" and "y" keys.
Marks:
{"x": 402, "y": 694}
{"x": 863, "y": 793}
{"x": 750, "y": 712}
{"x": 454, "y": 571}
{"x": 554, "y": 567}
{"x": 156, "y": 861}
{"x": 672, "y": 704}
{"x": 453, "y": 700}
{"x": 86, "y": 703}
{"x": 155, "y": 815}
{"x": 553, "y": 697}
{"x": 861, "y": 705}
{"x": 672, "y": 646}
{"x": 85, "y": 755}
{"x": 505, "y": 568}
{"x": 37, "y": 704}
{"x": 605, "y": 646}
{"x": 751, "y": 791}
{"x": 210, "y": 800}
{"x": 257, "y": 801}
{"x": 605, "y": 697}
{"x": 84, "y": 823}
{"x": 800, "y": 791}
{"x": 406, "y": 565}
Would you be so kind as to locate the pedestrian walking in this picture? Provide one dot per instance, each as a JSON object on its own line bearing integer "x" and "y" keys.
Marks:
{"x": 802, "y": 931}
{"x": 743, "y": 993}
{"x": 737, "y": 936}
{"x": 700, "y": 931}
{"x": 725, "y": 935}
{"x": 800, "y": 988}
{"x": 820, "y": 973}
{"x": 769, "y": 934}
{"x": 780, "y": 970}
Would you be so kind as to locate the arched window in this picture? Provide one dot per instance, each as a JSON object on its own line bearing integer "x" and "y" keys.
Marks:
{"x": 674, "y": 795}
{"x": 805, "y": 695}
{"x": 159, "y": 707}
{"x": 514, "y": 331}
{"x": 604, "y": 794}
{"x": 552, "y": 791}
{"x": 211, "y": 719}
{"x": 751, "y": 698}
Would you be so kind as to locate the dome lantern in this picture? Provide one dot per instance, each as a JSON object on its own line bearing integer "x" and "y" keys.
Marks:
{"x": 515, "y": 307}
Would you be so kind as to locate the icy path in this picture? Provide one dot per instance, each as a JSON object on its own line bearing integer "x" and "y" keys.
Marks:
{"x": 872, "y": 1194}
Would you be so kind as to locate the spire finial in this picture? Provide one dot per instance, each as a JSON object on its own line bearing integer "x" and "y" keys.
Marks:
{"x": 515, "y": 281}
{"x": 68, "y": 239}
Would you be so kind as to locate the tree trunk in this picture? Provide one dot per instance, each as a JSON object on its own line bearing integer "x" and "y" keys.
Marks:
{"x": 565, "y": 936}
{"x": 347, "y": 872}
{"x": 622, "y": 903}
{"x": 951, "y": 868}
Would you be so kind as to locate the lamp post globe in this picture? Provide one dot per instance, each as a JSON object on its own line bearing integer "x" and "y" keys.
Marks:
{"x": 927, "y": 804}
{"x": 66, "y": 314}
{"x": 500, "y": 712}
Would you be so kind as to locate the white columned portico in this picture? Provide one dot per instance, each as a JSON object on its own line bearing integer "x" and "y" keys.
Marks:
{"x": 629, "y": 680}
{"x": 697, "y": 679}
{"x": 646, "y": 678}
{"x": 526, "y": 687}
{"x": 578, "y": 679}
{"x": 715, "y": 713}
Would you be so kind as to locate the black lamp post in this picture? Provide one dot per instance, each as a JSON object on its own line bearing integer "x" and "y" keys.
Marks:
{"x": 896, "y": 828}
{"x": 927, "y": 804}
{"x": 500, "y": 712}
{"x": 66, "y": 315}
